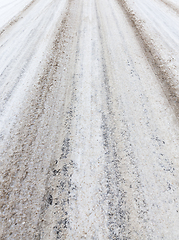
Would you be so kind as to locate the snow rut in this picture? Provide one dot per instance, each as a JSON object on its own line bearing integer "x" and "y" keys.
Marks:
{"x": 94, "y": 151}
{"x": 171, "y": 5}
{"x": 162, "y": 68}
{"x": 24, "y": 175}
{"x": 17, "y": 17}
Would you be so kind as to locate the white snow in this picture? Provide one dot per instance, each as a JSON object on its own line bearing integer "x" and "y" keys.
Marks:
{"x": 10, "y": 8}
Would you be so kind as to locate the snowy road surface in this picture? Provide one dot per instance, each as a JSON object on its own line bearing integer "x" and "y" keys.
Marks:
{"x": 89, "y": 108}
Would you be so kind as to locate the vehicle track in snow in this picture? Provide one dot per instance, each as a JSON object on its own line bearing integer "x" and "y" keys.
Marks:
{"x": 23, "y": 51}
{"x": 160, "y": 65}
{"x": 17, "y": 17}
{"x": 171, "y": 5}
{"x": 89, "y": 132}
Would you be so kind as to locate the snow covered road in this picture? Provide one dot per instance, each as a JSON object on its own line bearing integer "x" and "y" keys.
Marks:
{"x": 89, "y": 113}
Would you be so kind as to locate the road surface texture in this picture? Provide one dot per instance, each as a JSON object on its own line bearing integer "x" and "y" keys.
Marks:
{"x": 89, "y": 119}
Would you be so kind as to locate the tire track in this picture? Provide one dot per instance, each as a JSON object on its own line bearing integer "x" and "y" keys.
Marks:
{"x": 118, "y": 214}
{"x": 82, "y": 163}
{"x": 53, "y": 221}
{"x": 26, "y": 51}
{"x": 120, "y": 166}
{"x": 171, "y": 5}
{"x": 29, "y": 154}
{"x": 159, "y": 65}
{"x": 26, "y": 48}
{"x": 86, "y": 216}
{"x": 16, "y": 18}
